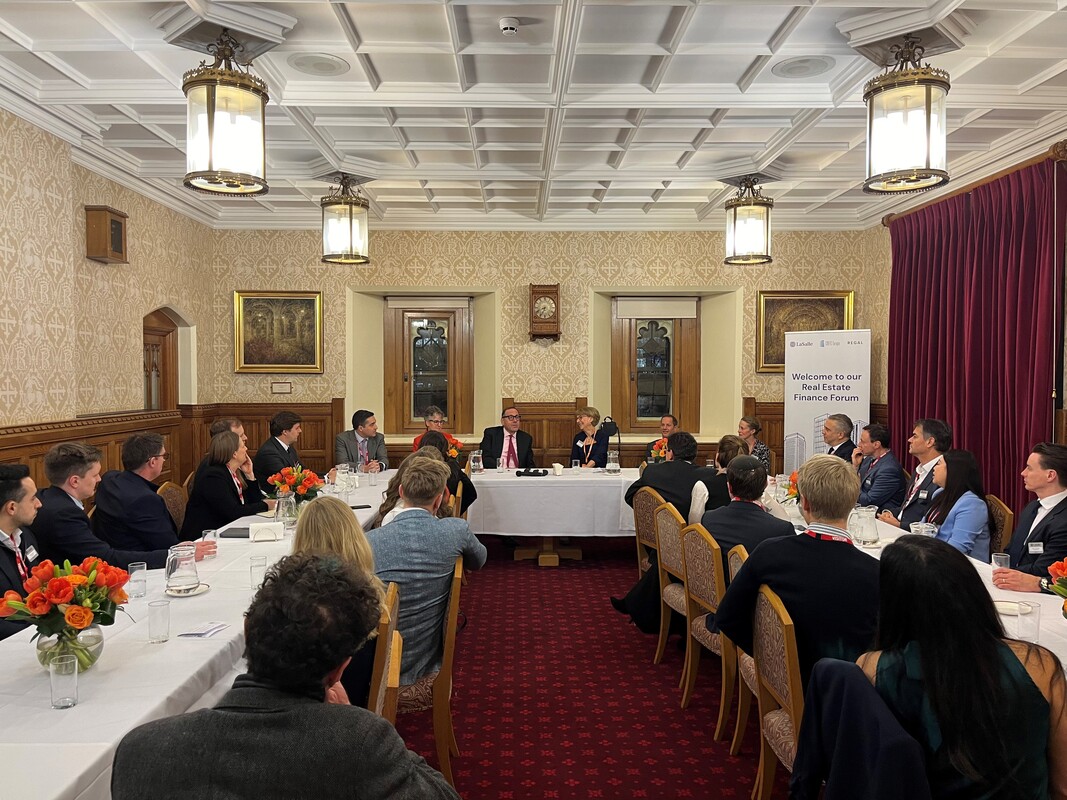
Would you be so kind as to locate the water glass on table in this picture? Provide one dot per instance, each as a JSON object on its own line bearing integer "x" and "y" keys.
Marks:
{"x": 924, "y": 529}
{"x": 257, "y": 570}
{"x": 1022, "y": 620}
{"x": 576, "y": 464}
{"x": 158, "y": 621}
{"x": 137, "y": 586}
{"x": 63, "y": 677}
{"x": 210, "y": 535}
{"x": 1001, "y": 561}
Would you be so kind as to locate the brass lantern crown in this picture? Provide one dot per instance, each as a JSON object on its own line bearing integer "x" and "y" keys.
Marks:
{"x": 225, "y": 134}
{"x": 748, "y": 225}
{"x": 906, "y": 125}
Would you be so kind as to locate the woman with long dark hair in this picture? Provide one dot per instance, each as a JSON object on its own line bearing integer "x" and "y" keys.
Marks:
{"x": 959, "y": 508}
{"x": 437, "y": 440}
{"x": 988, "y": 711}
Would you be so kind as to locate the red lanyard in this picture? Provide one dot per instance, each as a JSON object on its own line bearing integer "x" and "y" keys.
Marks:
{"x": 827, "y": 537}
{"x": 240, "y": 489}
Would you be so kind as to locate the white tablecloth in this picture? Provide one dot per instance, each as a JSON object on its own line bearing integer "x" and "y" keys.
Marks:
{"x": 580, "y": 502}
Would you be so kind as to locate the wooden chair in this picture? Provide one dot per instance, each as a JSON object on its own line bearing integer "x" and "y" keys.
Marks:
{"x": 781, "y": 697}
{"x": 746, "y": 666}
{"x": 646, "y": 501}
{"x": 90, "y": 512}
{"x": 176, "y": 499}
{"x": 187, "y": 484}
{"x": 392, "y": 679}
{"x": 383, "y": 649}
{"x": 435, "y": 690}
{"x": 457, "y": 501}
{"x": 1002, "y": 524}
{"x": 671, "y": 562}
{"x": 705, "y": 584}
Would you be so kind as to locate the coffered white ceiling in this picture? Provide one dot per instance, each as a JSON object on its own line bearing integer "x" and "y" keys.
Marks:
{"x": 598, "y": 114}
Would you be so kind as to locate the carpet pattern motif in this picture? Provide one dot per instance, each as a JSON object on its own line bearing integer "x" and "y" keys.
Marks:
{"x": 556, "y": 695}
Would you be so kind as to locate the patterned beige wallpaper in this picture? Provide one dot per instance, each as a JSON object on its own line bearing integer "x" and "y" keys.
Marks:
{"x": 69, "y": 327}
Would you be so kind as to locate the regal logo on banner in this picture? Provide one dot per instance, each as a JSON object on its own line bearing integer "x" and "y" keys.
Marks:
{"x": 826, "y": 372}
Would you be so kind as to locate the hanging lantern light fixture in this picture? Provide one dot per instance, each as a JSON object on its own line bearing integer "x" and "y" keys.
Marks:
{"x": 906, "y": 125}
{"x": 344, "y": 224}
{"x": 225, "y": 135}
{"x": 748, "y": 225}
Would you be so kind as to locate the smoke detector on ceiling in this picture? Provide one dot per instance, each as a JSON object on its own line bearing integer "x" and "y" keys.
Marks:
{"x": 509, "y": 26}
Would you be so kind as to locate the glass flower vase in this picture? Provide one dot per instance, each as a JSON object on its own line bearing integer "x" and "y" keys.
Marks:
{"x": 86, "y": 645}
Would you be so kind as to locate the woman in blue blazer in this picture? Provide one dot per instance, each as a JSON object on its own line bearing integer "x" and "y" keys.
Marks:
{"x": 590, "y": 448}
{"x": 959, "y": 508}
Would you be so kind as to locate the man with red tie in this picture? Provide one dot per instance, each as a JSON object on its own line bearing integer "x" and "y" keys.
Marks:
{"x": 506, "y": 444}
{"x": 18, "y": 547}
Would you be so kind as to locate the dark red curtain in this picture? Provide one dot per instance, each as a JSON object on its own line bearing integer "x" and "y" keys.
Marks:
{"x": 975, "y": 320}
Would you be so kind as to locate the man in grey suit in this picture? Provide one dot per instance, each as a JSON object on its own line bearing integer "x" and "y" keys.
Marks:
{"x": 362, "y": 445}
{"x": 286, "y": 728}
{"x": 418, "y": 552}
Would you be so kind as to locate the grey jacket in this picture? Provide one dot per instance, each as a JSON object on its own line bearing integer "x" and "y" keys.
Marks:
{"x": 418, "y": 552}
{"x": 260, "y": 741}
{"x": 346, "y": 449}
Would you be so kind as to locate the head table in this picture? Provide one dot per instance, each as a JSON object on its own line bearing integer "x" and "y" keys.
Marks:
{"x": 50, "y": 754}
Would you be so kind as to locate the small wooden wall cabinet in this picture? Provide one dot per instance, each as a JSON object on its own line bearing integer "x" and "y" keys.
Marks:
{"x": 105, "y": 235}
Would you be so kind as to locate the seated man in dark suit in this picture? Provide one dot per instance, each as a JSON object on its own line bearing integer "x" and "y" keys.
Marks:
{"x": 675, "y": 477}
{"x": 18, "y": 547}
{"x": 279, "y": 451}
{"x": 744, "y": 521}
{"x": 506, "y": 444}
{"x": 930, "y": 439}
{"x": 837, "y": 433}
{"x": 668, "y": 424}
{"x": 286, "y": 728}
{"x": 219, "y": 426}
{"x": 362, "y": 445}
{"x": 62, "y": 527}
{"x": 1040, "y": 537}
{"x": 829, "y": 587}
{"x": 418, "y": 552}
{"x": 129, "y": 514}
{"x": 881, "y": 476}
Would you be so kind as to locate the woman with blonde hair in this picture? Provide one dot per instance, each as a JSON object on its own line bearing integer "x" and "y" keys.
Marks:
{"x": 327, "y": 526}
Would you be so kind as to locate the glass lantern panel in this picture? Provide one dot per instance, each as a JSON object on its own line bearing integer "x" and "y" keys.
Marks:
{"x": 897, "y": 140}
{"x": 654, "y": 368}
{"x": 428, "y": 338}
{"x": 198, "y": 146}
{"x": 238, "y": 139}
{"x": 344, "y": 229}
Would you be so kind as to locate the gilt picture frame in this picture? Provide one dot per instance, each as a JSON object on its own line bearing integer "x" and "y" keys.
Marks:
{"x": 277, "y": 332}
{"x": 779, "y": 312}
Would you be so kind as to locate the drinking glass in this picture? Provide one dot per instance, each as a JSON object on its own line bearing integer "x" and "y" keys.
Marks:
{"x": 923, "y": 529}
{"x": 1021, "y": 620}
{"x": 158, "y": 621}
{"x": 138, "y": 583}
{"x": 257, "y": 570}
{"x": 576, "y": 464}
{"x": 477, "y": 465}
{"x": 63, "y": 676}
{"x": 1001, "y": 561}
{"x": 210, "y": 535}
{"x": 372, "y": 478}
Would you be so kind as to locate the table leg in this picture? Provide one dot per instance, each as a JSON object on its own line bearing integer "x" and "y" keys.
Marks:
{"x": 548, "y": 554}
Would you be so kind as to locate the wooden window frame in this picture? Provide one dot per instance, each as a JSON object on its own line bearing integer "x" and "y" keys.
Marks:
{"x": 685, "y": 388}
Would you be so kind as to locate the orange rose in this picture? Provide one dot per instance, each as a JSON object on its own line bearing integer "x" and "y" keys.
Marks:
{"x": 101, "y": 577}
{"x": 283, "y": 489}
{"x": 117, "y": 596}
{"x": 287, "y": 471}
{"x": 78, "y": 617}
{"x": 43, "y": 571}
{"x": 31, "y": 584}
{"x": 290, "y": 480}
{"x": 9, "y": 596}
{"x": 77, "y": 579}
{"x": 59, "y": 591}
{"x": 1058, "y": 570}
{"x": 37, "y": 604}
{"x": 89, "y": 564}
{"x": 301, "y": 489}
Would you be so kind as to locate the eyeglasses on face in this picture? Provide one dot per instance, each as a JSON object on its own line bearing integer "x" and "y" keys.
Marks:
{"x": 436, "y": 421}
{"x": 512, "y": 416}
{"x": 164, "y": 456}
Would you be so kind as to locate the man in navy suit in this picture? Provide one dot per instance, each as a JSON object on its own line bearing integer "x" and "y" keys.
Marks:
{"x": 18, "y": 547}
{"x": 928, "y": 441}
{"x": 507, "y": 443}
{"x": 62, "y": 527}
{"x": 837, "y": 433}
{"x": 279, "y": 451}
{"x": 129, "y": 514}
{"x": 881, "y": 476}
{"x": 1040, "y": 536}
{"x": 668, "y": 424}
{"x": 674, "y": 478}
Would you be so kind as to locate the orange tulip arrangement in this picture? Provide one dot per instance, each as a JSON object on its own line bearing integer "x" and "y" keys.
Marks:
{"x": 454, "y": 444}
{"x": 302, "y": 483}
{"x": 792, "y": 493}
{"x": 64, "y": 601}
{"x": 659, "y": 450}
{"x": 1058, "y": 584}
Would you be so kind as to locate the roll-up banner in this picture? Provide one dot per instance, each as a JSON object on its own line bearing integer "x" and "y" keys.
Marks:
{"x": 826, "y": 372}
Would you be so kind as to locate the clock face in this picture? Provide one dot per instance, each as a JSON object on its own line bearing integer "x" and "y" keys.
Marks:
{"x": 544, "y": 307}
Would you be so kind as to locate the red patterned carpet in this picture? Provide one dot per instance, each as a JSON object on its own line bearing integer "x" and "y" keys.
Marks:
{"x": 556, "y": 695}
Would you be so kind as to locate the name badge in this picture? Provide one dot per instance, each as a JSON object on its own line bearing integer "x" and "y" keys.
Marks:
{"x": 1036, "y": 548}
{"x": 31, "y": 553}
{"x": 924, "y": 495}
{"x": 867, "y": 483}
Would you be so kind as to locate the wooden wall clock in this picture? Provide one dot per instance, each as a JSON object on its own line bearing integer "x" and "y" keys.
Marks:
{"x": 544, "y": 311}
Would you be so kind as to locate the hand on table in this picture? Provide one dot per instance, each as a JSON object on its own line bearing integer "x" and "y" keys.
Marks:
{"x": 588, "y": 465}
{"x": 372, "y": 466}
{"x": 888, "y": 518}
{"x": 205, "y": 549}
{"x": 331, "y": 476}
{"x": 271, "y": 503}
{"x": 1014, "y": 581}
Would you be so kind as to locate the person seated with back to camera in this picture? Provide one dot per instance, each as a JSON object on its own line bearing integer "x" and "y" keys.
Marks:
{"x": 590, "y": 448}
{"x": 457, "y": 477}
{"x": 729, "y": 448}
{"x": 393, "y": 503}
{"x": 220, "y": 495}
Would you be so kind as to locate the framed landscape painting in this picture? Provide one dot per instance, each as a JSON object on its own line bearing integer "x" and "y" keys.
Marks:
{"x": 779, "y": 312}
{"x": 277, "y": 331}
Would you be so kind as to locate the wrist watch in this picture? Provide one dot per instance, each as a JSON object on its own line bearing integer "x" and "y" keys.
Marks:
{"x": 1046, "y": 587}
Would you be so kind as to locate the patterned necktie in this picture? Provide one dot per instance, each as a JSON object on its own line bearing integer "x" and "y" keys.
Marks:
{"x": 512, "y": 460}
